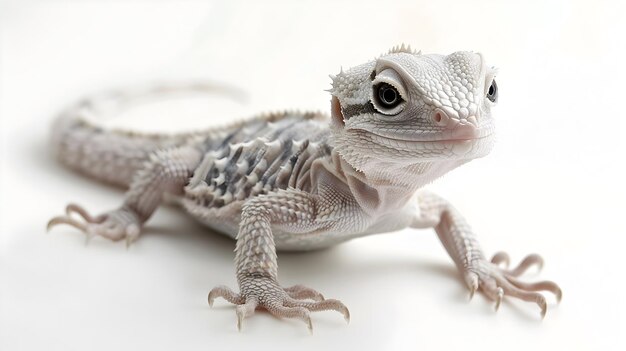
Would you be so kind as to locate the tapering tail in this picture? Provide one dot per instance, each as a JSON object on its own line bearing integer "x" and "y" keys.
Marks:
{"x": 110, "y": 155}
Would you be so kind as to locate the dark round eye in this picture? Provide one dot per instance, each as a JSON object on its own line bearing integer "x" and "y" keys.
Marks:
{"x": 492, "y": 93}
{"x": 388, "y": 96}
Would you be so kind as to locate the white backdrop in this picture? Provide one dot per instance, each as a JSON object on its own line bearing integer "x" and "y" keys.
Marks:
{"x": 553, "y": 184}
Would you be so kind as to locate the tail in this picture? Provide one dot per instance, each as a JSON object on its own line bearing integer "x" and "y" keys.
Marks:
{"x": 114, "y": 156}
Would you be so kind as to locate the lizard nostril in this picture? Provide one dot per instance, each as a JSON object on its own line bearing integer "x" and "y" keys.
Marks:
{"x": 440, "y": 118}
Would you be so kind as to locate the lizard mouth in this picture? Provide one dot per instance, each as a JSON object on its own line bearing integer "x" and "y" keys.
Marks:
{"x": 460, "y": 147}
{"x": 444, "y": 140}
{"x": 461, "y": 134}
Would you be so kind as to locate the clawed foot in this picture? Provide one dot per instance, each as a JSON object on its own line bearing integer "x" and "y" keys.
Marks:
{"x": 115, "y": 225}
{"x": 290, "y": 302}
{"x": 497, "y": 282}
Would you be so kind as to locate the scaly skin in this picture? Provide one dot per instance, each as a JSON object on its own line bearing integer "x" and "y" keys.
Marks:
{"x": 301, "y": 181}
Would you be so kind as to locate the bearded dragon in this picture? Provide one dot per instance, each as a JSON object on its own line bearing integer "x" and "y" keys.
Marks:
{"x": 304, "y": 181}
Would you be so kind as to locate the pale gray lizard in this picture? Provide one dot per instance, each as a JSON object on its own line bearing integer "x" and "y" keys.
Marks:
{"x": 302, "y": 181}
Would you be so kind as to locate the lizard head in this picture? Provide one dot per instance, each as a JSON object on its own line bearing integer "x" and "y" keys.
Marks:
{"x": 405, "y": 108}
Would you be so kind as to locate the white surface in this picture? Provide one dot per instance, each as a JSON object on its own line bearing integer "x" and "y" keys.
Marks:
{"x": 553, "y": 184}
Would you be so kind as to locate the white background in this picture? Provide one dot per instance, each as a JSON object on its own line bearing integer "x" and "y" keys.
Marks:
{"x": 553, "y": 184}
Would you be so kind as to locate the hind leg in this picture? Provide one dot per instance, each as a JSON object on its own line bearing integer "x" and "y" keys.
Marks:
{"x": 165, "y": 172}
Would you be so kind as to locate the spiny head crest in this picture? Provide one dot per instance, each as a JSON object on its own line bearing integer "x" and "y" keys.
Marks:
{"x": 403, "y": 49}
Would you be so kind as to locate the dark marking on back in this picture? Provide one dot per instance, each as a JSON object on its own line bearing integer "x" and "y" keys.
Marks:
{"x": 254, "y": 165}
{"x": 230, "y": 171}
{"x": 287, "y": 145}
{"x": 229, "y": 137}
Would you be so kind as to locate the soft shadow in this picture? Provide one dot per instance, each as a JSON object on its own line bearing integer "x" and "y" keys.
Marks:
{"x": 335, "y": 260}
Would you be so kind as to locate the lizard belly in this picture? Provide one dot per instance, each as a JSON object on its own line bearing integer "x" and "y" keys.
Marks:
{"x": 225, "y": 221}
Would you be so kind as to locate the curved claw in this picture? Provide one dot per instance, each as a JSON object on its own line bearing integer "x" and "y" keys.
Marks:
{"x": 240, "y": 317}
{"x": 132, "y": 233}
{"x": 300, "y": 312}
{"x": 309, "y": 325}
{"x": 346, "y": 315}
{"x": 499, "y": 296}
{"x": 500, "y": 257}
{"x": 244, "y": 311}
{"x": 544, "y": 308}
{"x": 471, "y": 279}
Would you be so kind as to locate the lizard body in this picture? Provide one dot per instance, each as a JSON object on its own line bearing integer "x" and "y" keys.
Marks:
{"x": 301, "y": 181}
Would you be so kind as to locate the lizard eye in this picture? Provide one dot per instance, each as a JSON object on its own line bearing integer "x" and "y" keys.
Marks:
{"x": 492, "y": 93}
{"x": 387, "y": 95}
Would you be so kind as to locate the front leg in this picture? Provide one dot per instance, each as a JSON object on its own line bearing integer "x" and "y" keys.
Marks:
{"x": 166, "y": 171}
{"x": 460, "y": 242}
{"x": 256, "y": 263}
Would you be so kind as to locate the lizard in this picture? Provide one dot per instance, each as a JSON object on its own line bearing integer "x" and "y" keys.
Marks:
{"x": 309, "y": 180}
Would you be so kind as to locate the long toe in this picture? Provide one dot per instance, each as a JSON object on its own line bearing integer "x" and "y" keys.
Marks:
{"x": 496, "y": 282}
{"x": 297, "y": 301}
{"x": 326, "y": 305}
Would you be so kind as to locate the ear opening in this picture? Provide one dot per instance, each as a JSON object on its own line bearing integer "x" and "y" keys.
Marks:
{"x": 335, "y": 113}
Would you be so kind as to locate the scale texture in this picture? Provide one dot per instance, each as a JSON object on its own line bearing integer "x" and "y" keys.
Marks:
{"x": 303, "y": 181}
